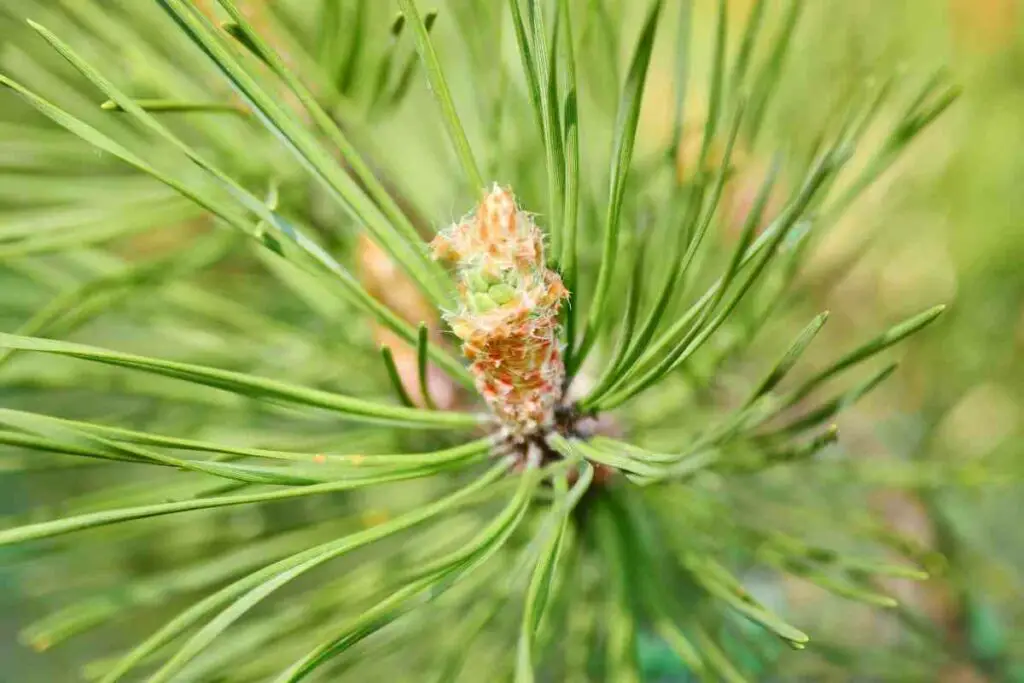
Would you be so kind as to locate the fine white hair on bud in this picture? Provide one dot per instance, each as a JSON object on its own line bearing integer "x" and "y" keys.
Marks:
{"x": 509, "y": 304}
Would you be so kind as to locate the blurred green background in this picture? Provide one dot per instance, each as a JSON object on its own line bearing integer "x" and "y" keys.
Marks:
{"x": 946, "y": 225}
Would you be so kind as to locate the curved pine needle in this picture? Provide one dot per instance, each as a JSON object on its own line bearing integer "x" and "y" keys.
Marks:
{"x": 250, "y": 385}
{"x": 395, "y": 377}
{"x": 439, "y": 87}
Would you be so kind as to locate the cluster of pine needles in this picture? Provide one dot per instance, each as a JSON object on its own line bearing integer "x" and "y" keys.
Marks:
{"x": 256, "y": 458}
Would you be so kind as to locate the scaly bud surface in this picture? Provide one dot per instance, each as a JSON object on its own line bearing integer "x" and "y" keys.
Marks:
{"x": 508, "y": 311}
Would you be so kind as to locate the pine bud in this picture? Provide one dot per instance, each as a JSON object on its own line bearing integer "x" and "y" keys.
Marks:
{"x": 508, "y": 311}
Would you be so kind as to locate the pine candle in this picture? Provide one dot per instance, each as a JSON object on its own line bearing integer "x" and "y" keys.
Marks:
{"x": 509, "y": 304}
